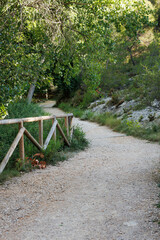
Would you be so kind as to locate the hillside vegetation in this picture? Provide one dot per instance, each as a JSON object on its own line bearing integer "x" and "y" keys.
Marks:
{"x": 93, "y": 47}
{"x": 85, "y": 50}
{"x": 55, "y": 152}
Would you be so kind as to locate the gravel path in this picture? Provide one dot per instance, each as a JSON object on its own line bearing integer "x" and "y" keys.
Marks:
{"x": 107, "y": 192}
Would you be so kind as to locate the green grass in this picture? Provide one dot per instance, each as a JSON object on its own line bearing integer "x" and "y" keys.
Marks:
{"x": 79, "y": 141}
{"x": 7, "y": 174}
{"x": 8, "y": 132}
{"x": 66, "y": 107}
{"x": 55, "y": 152}
{"x": 128, "y": 127}
{"x": 141, "y": 80}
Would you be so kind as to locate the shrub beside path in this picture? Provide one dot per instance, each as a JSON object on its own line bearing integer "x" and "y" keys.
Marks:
{"x": 107, "y": 192}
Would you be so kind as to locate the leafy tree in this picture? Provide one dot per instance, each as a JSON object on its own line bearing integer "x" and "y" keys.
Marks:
{"x": 67, "y": 42}
{"x": 130, "y": 19}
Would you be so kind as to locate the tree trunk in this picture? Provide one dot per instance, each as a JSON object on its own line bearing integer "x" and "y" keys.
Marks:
{"x": 132, "y": 60}
{"x": 107, "y": 63}
{"x": 32, "y": 87}
{"x": 31, "y": 91}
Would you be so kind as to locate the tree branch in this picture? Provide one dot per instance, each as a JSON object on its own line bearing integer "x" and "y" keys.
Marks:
{"x": 76, "y": 3}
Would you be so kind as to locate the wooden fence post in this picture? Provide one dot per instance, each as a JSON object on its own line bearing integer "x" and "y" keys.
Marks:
{"x": 41, "y": 132}
{"x": 20, "y": 136}
{"x": 21, "y": 143}
{"x": 55, "y": 133}
{"x": 67, "y": 125}
{"x": 71, "y": 128}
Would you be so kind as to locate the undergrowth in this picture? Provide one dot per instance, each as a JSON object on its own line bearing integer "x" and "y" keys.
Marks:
{"x": 133, "y": 128}
{"x": 66, "y": 107}
{"x": 8, "y": 132}
{"x": 55, "y": 152}
{"x": 141, "y": 80}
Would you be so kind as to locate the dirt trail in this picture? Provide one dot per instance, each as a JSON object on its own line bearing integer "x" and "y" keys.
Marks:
{"x": 107, "y": 192}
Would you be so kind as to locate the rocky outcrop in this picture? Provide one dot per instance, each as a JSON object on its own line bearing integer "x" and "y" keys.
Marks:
{"x": 128, "y": 109}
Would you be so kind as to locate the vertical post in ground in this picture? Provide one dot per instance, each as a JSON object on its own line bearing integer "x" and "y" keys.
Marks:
{"x": 54, "y": 134}
{"x": 41, "y": 132}
{"x": 21, "y": 143}
{"x": 67, "y": 125}
{"x": 71, "y": 128}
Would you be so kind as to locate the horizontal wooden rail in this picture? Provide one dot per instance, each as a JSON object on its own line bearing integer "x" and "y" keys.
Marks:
{"x": 31, "y": 119}
{"x": 22, "y": 130}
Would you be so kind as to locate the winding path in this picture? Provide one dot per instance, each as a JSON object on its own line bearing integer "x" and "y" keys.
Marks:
{"x": 107, "y": 192}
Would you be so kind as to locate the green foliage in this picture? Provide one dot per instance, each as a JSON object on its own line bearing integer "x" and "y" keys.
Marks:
{"x": 7, "y": 174}
{"x": 23, "y": 57}
{"x": 87, "y": 115}
{"x": 132, "y": 19}
{"x": 68, "y": 46}
{"x": 66, "y": 107}
{"x": 56, "y": 151}
{"x": 88, "y": 98}
{"x": 3, "y": 111}
{"x": 129, "y": 127}
{"x": 139, "y": 81}
{"x": 23, "y": 165}
{"x": 106, "y": 119}
{"x": 133, "y": 124}
{"x": 147, "y": 80}
{"x": 8, "y": 132}
{"x": 133, "y": 128}
{"x": 79, "y": 141}
{"x": 22, "y": 109}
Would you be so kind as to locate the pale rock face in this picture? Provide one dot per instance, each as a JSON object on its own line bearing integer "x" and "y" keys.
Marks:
{"x": 100, "y": 106}
{"x": 156, "y": 103}
{"x": 142, "y": 114}
{"x": 149, "y": 114}
{"x": 125, "y": 107}
{"x": 99, "y": 109}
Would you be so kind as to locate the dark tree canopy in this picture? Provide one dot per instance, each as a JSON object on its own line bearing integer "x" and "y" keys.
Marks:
{"x": 63, "y": 42}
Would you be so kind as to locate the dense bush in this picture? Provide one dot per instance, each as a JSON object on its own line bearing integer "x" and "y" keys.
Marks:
{"x": 56, "y": 151}
{"x": 141, "y": 80}
{"x": 8, "y": 132}
{"x": 133, "y": 128}
{"x": 79, "y": 141}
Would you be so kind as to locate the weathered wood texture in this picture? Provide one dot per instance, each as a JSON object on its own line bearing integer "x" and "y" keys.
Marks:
{"x": 21, "y": 143}
{"x": 67, "y": 125}
{"x": 22, "y": 130}
{"x": 62, "y": 134}
{"x": 50, "y": 134}
{"x": 33, "y": 140}
{"x": 11, "y": 150}
{"x": 70, "y": 126}
{"x": 54, "y": 134}
{"x": 31, "y": 119}
{"x": 41, "y": 132}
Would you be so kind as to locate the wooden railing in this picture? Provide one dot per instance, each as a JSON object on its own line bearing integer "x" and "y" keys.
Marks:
{"x": 40, "y": 145}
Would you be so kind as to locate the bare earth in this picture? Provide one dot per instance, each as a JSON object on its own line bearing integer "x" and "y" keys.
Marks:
{"x": 107, "y": 192}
